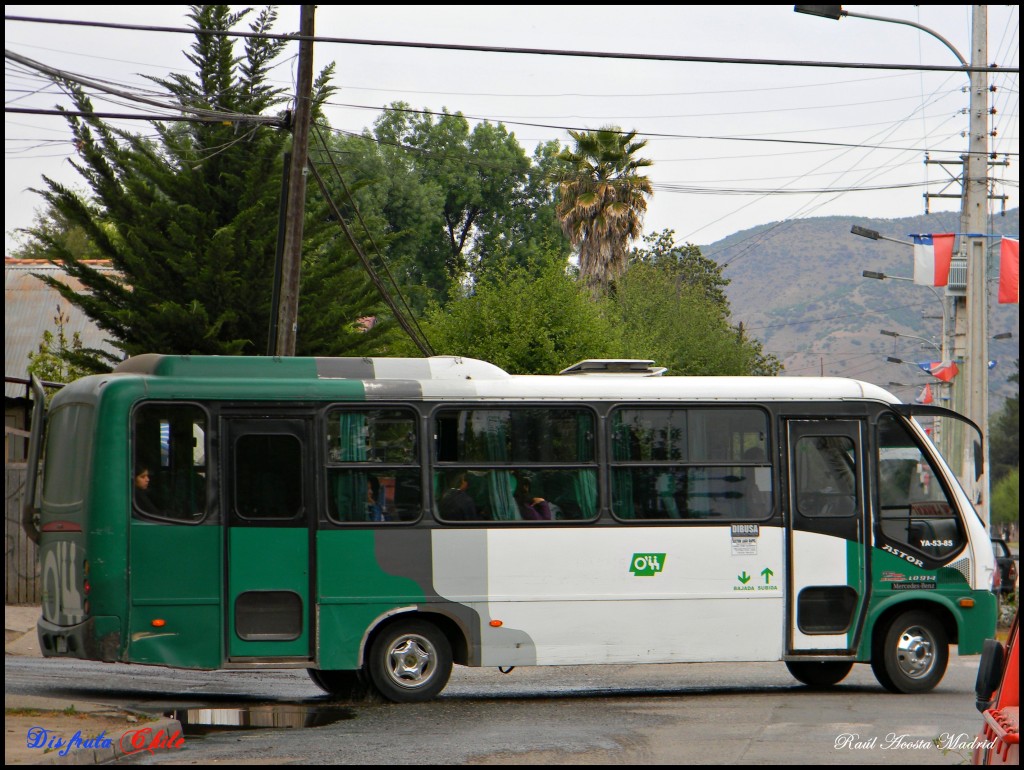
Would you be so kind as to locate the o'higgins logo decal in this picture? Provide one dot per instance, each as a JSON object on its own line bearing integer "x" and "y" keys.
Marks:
{"x": 647, "y": 564}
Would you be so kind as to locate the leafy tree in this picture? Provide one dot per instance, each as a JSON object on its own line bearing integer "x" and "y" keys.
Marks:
{"x": 443, "y": 202}
{"x": 50, "y": 363}
{"x": 678, "y": 325}
{"x": 1006, "y": 499}
{"x": 189, "y": 220}
{"x": 602, "y": 198}
{"x": 684, "y": 261}
{"x": 56, "y": 228}
{"x": 527, "y": 322}
{"x": 1004, "y": 434}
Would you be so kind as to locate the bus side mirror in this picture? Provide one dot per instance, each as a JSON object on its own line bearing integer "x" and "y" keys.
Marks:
{"x": 29, "y": 518}
{"x": 990, "y": 671}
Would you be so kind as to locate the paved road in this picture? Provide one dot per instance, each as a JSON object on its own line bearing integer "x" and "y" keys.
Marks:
{"x": 678, "y": 714}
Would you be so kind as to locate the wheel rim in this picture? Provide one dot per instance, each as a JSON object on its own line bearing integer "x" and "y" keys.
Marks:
{"x": 411, "y": 661}
{"x": 915, "y": 652}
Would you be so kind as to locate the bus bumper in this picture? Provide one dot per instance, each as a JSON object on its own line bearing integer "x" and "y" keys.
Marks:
{"x": 977, "y": 623}
{"x": 98, "y": 638}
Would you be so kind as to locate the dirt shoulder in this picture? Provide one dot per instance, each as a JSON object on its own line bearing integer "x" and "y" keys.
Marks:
{"x": 37, "y": 736}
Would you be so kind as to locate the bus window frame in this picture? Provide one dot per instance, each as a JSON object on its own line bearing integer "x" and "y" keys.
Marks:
{"x": 770, "y": 461}
{"x": 210, "y": 514}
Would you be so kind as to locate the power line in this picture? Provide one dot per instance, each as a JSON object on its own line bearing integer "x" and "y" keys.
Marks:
{"x": 650, "y": 134}
{"x": 417, "y": 336}
{"x": 63, "y": 75}
{"x": 516, "y": 50}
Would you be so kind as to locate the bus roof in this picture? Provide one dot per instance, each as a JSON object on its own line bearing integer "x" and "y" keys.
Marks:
{"x": 456, "y": 377}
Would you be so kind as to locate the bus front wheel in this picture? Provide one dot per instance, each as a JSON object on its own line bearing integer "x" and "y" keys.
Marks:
{"x": 819, "y": 673}
{"x": 912, "y": 653}
{"x": 410, "y": 661}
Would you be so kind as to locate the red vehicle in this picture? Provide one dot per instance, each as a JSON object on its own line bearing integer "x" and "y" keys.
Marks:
{"x": 998, "y": 692}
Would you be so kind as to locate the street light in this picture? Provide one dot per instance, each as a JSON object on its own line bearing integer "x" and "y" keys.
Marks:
{"x": 883, "y": 276}
{"x": 836, "y": 12}
{"x": 874, "y": 235}
{"x": 927, "y": 341}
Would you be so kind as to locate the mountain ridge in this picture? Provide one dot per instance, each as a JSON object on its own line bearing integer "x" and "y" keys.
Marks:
{"x": 797, "y": 285}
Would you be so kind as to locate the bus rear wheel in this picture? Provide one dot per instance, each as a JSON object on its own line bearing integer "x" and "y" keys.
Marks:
{"x": 819, "y": 673}
{"x": 342, "y": 685}
{"x": 911, "y": 654}
{"x": 410, "y": 661}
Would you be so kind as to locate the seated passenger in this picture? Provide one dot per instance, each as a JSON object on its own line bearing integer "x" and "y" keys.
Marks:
{"x": 456, "y": 504}
{"x": 531, "y": 508}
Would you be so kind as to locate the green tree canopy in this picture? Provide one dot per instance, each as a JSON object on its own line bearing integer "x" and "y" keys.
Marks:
{"x": 446, "y": 203}
{"x": 678, "y": 326}
{"x": 527, "y": 322}
{"x": 684, "y": 261}
{"x": 1006, "y": 499}
{"x": 1004, "y": 434}
{"x": 189, "y": 219}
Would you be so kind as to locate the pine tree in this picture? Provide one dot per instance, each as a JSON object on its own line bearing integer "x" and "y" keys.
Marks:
{"x": 189, "y": 220}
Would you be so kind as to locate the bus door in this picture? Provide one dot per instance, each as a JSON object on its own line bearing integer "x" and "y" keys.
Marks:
{"x": 268, "y": 496}
{"x": 827, "y": 533}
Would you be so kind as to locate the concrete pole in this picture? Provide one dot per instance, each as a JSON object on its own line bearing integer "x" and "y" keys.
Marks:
{"x": 288, "y": 315}
{"x": 974, "y": 221}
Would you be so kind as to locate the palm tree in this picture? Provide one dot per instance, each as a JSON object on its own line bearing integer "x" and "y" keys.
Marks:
{"x": 602, "y": 200}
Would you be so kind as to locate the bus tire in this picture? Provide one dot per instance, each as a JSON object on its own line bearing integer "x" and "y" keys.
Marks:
{"x": 410, "y": 661}
{"x": 341, "y": 685}
{"x": 912, "y": 654}
{"x": 815, "y": 673}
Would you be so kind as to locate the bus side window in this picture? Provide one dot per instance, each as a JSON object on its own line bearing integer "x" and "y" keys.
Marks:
{"x": 373, "y": 467}
{"x": 690, "y": 463}
{"x": 826, "y": 479}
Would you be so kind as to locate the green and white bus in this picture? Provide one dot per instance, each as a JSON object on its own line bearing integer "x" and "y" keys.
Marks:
{"x": 376, "y": 520}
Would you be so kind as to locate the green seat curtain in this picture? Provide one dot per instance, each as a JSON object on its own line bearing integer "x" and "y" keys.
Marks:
{"x": 499, "y": 483}
{"x": 622, "y": 478}
{"x": 350, "y": 487}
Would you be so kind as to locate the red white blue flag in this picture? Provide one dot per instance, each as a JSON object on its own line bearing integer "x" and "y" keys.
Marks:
{"x": 932, "y": 257}
{"x": 1009, "y": 271}
{"x": 940, "y": 370}
{"x": 925, "y": 396}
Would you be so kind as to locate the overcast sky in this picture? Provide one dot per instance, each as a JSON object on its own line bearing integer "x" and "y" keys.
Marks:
{"x": 693, "y": 114}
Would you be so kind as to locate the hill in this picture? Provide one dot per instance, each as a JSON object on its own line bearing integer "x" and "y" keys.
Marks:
{"x": 798, "y": 286}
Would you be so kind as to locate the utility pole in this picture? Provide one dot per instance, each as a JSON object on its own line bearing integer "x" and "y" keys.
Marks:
{"x": 973, "y": 246}
{"x": 288, "y": 315}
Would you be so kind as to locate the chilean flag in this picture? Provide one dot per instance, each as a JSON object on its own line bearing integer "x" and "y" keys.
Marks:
{"x": 941, "y": 370}
{"x": 932, "y": 257}
{"x": 925, "y": 396}
{"x": 1009, "y": 271}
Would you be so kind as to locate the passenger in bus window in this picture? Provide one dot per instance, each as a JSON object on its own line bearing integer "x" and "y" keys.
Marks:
{"x": 374, "y": 499}
{"x": 530, "y": 507}
{"x": 456, "y": 503}
{"x": 142, "y": 499}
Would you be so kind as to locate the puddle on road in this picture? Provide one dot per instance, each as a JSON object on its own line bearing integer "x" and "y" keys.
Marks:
{"x": 196, "y": 722}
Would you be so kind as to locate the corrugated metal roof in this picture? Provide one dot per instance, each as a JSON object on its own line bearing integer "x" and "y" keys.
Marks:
{"x": 30, "y": 307}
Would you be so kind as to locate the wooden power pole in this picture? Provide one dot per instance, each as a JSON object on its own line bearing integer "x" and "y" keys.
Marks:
{"x": 288, "y": 314}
